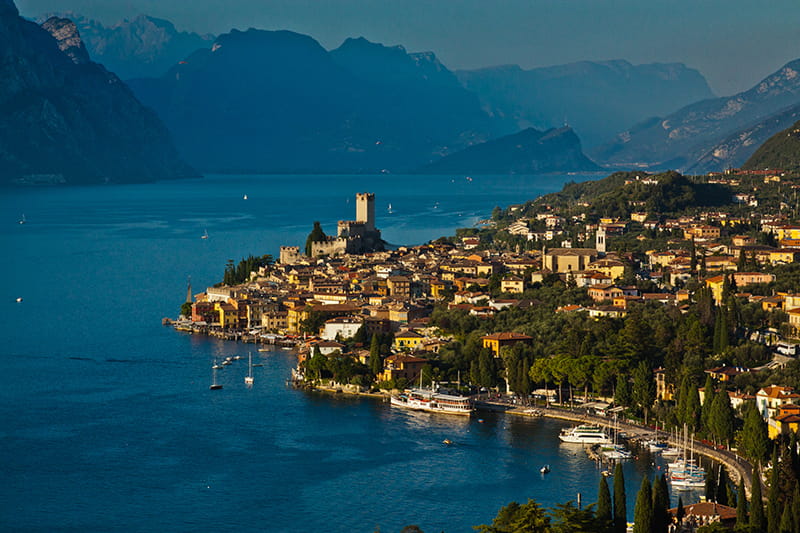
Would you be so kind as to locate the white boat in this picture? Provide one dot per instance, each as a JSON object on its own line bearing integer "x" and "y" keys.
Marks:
{"x": 248, "y": 379}
{"x": 244, "y": 197}
{"x": 427, "y": 400}
{"x": 214, "y": 384}
{"x": 204, "y": 235}
{"x": 585, "y": 434}
{"x": 22, "y": 220}
{"x": 545, "y": 469}
{"x": 686, "y": 473}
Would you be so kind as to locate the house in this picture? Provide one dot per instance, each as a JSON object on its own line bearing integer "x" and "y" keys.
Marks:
{"x": 408, "y": 340}
{"x": 748, "y": 278}
{"x": 769, "y": 400}
{"x": 705, "y": 513}
{"x": 665, "y": 391}
{"x": 569, "y": 259}
{"x": 610, "y": 267}
{"x": 402, "y": 366}
{"x": 726, "y": 373}
{"x": 608, "y": 311}
{"x": 343, "y": 327}
{"x": 512, "y": 284}
{"x": 496, "y": 341}
{"x": 788, "y": 419}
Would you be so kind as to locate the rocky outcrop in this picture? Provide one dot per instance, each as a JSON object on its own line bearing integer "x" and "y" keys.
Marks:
{"x": 64, "y": 119}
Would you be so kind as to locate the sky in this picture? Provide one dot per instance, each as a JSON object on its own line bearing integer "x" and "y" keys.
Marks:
{"x": 733, "y": 43}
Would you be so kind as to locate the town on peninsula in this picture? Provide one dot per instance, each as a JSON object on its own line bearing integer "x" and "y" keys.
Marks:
{"x": 669, "y": 301}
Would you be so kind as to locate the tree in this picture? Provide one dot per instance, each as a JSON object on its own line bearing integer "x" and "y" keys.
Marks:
{"x": 186, "y": 309}
{"x": 620, "y": 505}
{"x": 786, "y": 524}
{"x": 316, "y": 235}
{"x": 643, "y": 512}
{"x": 773, "y": 495}
{"x": 661, "y": 517}
{"x": 644, "y": 393}
{"x": 680, "y": 512}
{"x": 758, "y": 522}
{"x": 570, "y": 519}
{"x": 375, "y": 362}
{"x": 516, "y": 518}
{"x": 722, "y": 417}
{"x": 708, "y": 400}
{"x": 741, "y": 504}
{"x": 604, "y": 510}
{"x": 754, "y": 438}
{"x": 622, "y": 393}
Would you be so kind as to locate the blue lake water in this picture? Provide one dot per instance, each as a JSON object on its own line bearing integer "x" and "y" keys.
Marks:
{"x": 107, "y": 420}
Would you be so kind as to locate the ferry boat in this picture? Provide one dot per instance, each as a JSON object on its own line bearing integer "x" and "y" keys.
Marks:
{"x": 427, "y": 400}
{"x": 585, "y": 434}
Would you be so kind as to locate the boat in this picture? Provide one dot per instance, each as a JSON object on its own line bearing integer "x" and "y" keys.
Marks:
{"x": 448, "y": 442}
{"x": 244, "y": 197}
{"x": 214, "y": 384}
{"x": 204, "y": 235}
{"x": 585, "y": 434}
{"x": 216, "y": 366}
{"x": 545, "y": 469}
{"x": 248, "y": 379}
{"x": 685, "y": 473}
{"x": 390, "y": 209}
{"x": 434, "y": 402}
{"x": 22, "y": 220}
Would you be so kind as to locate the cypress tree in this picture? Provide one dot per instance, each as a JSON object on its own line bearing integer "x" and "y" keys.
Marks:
{"x": 722, "y": 488}
{"x": 722, "y": 417}
{"x": 604, "y": 511}
{"x": 680, "y": 512}
{"x": 741, "y": 504}
{"x": 693, "y": 408}
{"x": 773, "y": 495}
{"x": 643, "y": 512}
{"x": 786, "y": 524}
{"x": 316, "y": 235}
{"x": 758, "y": 522}
{"x": 660, "y": 505}
{"x": 796, "y": 508}
{"x": 620, "y": 507}
{"x": 375, "y": 362}
{"x": 711, "y": 485}
{"x": 708, "y": 400}
{"x": 754, "y": 436}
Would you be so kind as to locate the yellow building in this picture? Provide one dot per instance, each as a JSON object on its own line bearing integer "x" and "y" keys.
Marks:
{"x": 610, "y": 267}
{"x": 228, "y": 314}
{"x": 408, "y": 340}
{"x": 569, "y": 259}
{"x": 495, "y": 341}
{"x": 401, "y": 366}
{"x": 716, "y": 283}
{"x": 789, "y": 232}
{"x": 783, "y": 256}
{"x": 512, "y": 284}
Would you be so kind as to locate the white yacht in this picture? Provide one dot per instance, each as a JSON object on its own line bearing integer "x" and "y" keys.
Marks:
{"x": 427, "y": 400}
{"x": 585, "y": 434}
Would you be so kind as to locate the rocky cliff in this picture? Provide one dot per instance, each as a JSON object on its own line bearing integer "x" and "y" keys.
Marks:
{"x": 64, "y": 119}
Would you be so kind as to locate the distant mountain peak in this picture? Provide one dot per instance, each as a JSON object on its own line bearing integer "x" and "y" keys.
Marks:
{"x": 69, "y": 39}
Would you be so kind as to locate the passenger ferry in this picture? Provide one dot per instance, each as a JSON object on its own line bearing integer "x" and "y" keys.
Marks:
{"x": 585, "y": 434}
{"x": 427, "y": 400}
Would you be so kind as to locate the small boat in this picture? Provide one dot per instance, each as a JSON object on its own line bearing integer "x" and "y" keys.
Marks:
{"x": 216, "y": 366}
{"x": 248, "y": 379}
{"x": 390, "y": 209}
{"x": 22, "y": 220}
{"x": 448, "y": 442}
{"x": 19, "y": 300}
{"x": 214, "y": 384}
{"x": 204, "y": 235}
{"x": 265, "y": 349}
{"x": 606, "y": 473}
{"x": 545, "y": 469}
{"x": 244, "y": 197}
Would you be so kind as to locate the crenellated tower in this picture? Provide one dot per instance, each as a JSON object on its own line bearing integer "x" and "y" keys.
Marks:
{"x": 365, "y": 210}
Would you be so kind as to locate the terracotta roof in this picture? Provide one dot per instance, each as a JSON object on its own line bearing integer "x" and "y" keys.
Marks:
{"x": 708, "y": 509}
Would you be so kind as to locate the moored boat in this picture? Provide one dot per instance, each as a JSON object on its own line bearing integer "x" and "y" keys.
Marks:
{"x": 585, "y": 434}
{"x": 427, "y": 400}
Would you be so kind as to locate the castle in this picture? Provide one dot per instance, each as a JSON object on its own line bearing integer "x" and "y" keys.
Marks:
{"x": 357, "y": 236}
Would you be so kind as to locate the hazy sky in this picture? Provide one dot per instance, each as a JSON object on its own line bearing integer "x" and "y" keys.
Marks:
{"x": 733, "y": 43}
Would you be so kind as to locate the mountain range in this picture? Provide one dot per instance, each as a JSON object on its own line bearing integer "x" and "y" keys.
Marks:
{"x": 277, "y": 101}
{"x": 682, "y": 139}
{"x": 138, "y": 48}
{"x": 66, "y": 119}
{"x": 597, "y": 99}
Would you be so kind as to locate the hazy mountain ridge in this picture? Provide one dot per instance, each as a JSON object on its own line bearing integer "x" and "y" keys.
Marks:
{"x": 276, "y": 101}
{"x": 66, "y": 119}
{"x": 683, "y": 138}
{"x": 142, "y": 47}
{"x": 597, "y": 98}
{"x": 738, "y": 147}
{"x": 529, "y": 151}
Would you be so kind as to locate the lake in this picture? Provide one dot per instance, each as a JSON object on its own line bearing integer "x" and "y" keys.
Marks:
{"x": 108, "y": 422}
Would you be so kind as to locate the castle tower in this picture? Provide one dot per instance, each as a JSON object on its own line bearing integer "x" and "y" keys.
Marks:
{"x": 365, "y": 209}
{"x": 189, "y": 290}
{"x": 600, "y": 240}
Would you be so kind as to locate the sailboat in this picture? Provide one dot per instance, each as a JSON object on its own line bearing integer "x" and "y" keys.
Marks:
{"x": 390, "y": 209}
{"x": 22, "y": 220}
{"x": 214, "y": 384}
{"x": 248, "y": 379}
{"x": 205, "y": 235}
{"x": 244, "y": 197}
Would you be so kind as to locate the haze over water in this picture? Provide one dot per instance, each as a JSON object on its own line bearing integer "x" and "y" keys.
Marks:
{"x": 108, "y": 422}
